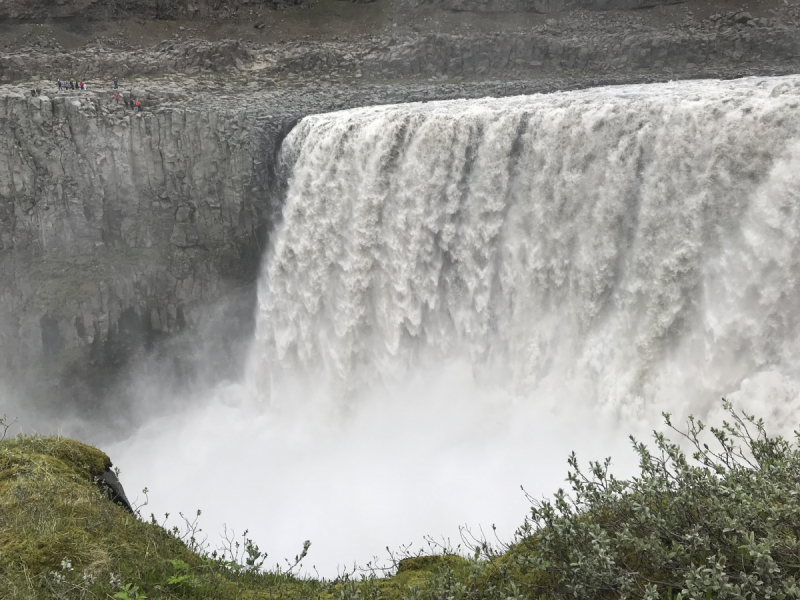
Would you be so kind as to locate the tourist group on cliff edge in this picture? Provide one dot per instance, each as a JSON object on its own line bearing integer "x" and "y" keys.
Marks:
{"x": 71, "y": 85}
{"x": 82, "y": 86}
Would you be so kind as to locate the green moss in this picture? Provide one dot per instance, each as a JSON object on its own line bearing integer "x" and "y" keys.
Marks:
{"x": 50, "y": 455}
{"x": 51, "y": 510}
{"x": 48, "y": 500}
{"x": 430, "y": 564}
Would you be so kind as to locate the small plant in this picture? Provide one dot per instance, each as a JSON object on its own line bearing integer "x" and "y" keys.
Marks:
{"x": 183, "y": 577}
{"x": 189, "y": 534}
{"x": 349, "y": 590}
{"x": 297, "y": 559}
{"x": 5, "y": 425}
{"x": 129, "y": 592}
{"x": 63, "y": 585}
{"x": 138, "y": 506}
{"x": 244, "y": 555}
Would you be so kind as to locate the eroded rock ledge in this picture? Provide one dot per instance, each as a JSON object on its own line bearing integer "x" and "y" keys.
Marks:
{"x": 574, "y": 46}
{"x": 172, "y": 9}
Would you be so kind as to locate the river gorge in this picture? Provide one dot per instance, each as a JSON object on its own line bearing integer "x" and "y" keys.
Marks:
{"x": 358, "y": 290}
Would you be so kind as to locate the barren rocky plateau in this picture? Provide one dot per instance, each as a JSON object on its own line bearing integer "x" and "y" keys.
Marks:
{"x": 129, "y": 236}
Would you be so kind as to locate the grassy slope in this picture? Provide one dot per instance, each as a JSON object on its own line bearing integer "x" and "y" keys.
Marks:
{"x": 722, "y": 525}
{"x": 51, "y": 510}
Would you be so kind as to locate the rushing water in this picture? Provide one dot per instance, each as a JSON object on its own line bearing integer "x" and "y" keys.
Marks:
{"x": 461, "y": 292}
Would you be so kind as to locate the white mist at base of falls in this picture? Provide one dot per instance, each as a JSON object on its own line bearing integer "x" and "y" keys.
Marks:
{"x": 460, "y": 293}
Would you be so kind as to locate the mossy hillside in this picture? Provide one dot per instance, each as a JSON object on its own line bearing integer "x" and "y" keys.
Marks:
{"x": 52, "y": 510}
{"x": 60, "y": 536}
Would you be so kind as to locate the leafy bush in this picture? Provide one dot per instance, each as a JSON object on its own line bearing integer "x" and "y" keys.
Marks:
{"x": 723, "y": 525}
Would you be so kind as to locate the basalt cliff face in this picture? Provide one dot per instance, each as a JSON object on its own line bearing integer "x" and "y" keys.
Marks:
{"x": 120, "y": 229}
{"x": 115, "y": 227}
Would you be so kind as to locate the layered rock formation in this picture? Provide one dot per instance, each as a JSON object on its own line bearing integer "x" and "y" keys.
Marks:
{"x": 548, "y": 6}
{"x": 172, "y": 9}
{"x": 113, "y": 226}
{"x": 734, "y": 41}
{"x": 144, "y": 9}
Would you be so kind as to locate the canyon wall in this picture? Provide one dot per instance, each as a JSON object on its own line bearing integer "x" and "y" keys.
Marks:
{"x": 115, "y": 227}
{"x": 548, "y": 6}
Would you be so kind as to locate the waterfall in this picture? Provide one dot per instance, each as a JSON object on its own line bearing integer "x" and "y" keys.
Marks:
{"x": 461, "y": 293}
{"x": 640, "y": 240}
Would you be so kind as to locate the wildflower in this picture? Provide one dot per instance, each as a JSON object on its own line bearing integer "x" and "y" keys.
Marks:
{"x": 88, "y": 578}
{"x": 57, "y": 577}
{"x": 114, "y": 581}
{"x": 66, "y": 565}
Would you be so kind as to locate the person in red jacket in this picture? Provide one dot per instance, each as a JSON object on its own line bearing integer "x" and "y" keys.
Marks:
{"x": 139, "y": 105}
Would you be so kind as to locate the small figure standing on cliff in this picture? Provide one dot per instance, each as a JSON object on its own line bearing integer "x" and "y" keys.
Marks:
{"x": 33, "y": 93}
{"x": 116, "y": 83}
{"x": 139, "y": 106}
{"x": 116, "y": 97}
{"x": 59, "y": 85}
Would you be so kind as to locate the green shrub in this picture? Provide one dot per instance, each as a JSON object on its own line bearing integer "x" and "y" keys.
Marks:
{"x": 724, "y": 524}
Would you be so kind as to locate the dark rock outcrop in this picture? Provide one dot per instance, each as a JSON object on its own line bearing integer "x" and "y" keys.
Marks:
{"x": 109, "y": 483}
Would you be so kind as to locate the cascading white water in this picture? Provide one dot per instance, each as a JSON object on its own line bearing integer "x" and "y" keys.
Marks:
{"x": 639, "y": 241}
{"x": 485, "y": 286}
